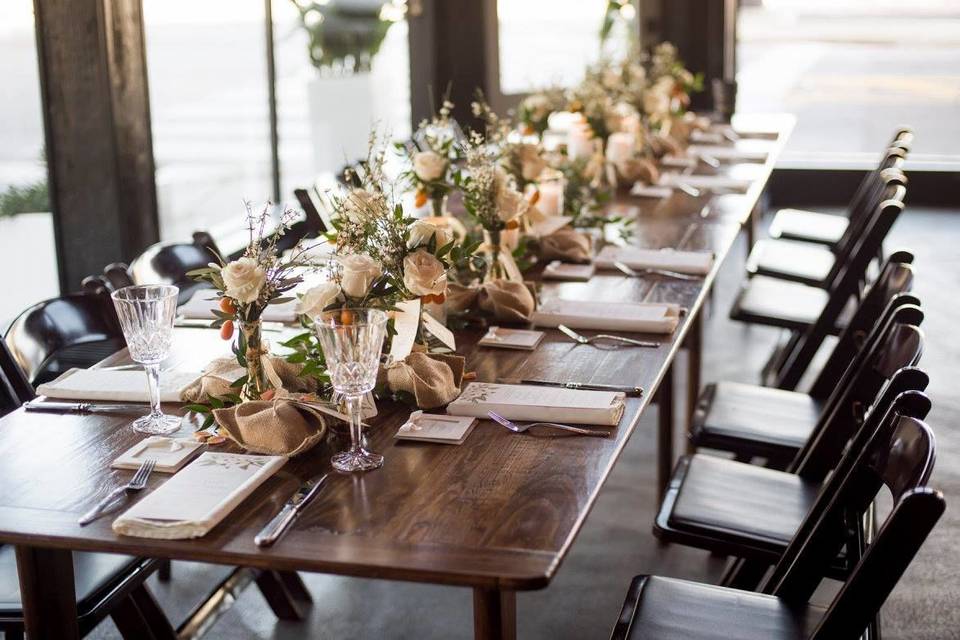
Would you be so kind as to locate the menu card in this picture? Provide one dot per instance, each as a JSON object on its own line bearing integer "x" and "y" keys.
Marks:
{"x": 203, "y": 302}
{"x": 195, "y": 500}
{"x": 121, "y": 386}
{"x": 534, "y": 402}
{"x": 692, "y": 262}
{"x": 638, "y": 317}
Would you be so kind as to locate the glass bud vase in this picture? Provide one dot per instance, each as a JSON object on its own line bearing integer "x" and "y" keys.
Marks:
{"x": 439, "y": 206}
{"x": 251, "y": 345}
{"x": 495, "y": 270}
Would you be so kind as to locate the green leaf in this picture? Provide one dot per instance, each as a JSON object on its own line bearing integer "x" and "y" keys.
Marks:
{"x": 198, "y": 408}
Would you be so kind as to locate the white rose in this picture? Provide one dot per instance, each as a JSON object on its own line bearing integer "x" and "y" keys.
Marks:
{"x": 421, "y": 231}
{"x": 656, "y": 102}
{"x": 424, "y": 275}
{"x": 360, "y": 204}
{"x": 429, "y": 165}
{"x": 357, "y": 273}
{"x": 317, "y": 299}
{"x": 532, "y": 163}
{"x": 538, "y": 106}
{"x": 243, "y": 279}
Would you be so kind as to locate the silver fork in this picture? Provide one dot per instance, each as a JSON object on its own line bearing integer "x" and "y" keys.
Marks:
{"x": 520, "y": 428}
{"x": 137, "y": 482}
{"x": 639, "y": 273}
{"x": 582, "y": 339}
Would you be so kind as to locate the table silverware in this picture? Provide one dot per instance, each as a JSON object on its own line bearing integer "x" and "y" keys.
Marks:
{"x": 520, "y": 428}
{"x": 582, "y": 339}
{"x": 709, "y": 160}
{"x": 137, "y": 482}
{"x": 83, "y": 407}
{"x": 691, "y": 191}
{"x": 583, "y": 386}
{"x": 297, "y": 503}
{"x": 639, "y": 273}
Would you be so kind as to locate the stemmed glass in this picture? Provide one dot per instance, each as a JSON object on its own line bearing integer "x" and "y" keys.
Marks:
{"x": 351, "y": 341}
{"x": 146, "y": 316}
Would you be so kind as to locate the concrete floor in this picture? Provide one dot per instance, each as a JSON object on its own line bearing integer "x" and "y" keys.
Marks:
{"x": 616, "y": 542}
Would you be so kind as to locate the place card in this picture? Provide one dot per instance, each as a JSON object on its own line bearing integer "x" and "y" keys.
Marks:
{"x": 439, "y": 331}
{"x": 502, "y": 338}
{"x": 199, "y": 497}
{"x": 441, "y": 429}
{"x": 510, "y": 266}
{"x": 534, "y": 402}
{"x": 406, "y": 319}
{"x": 121, "y": 386}
{"x": 692, "y": 262}
{"x": 638, "y": 317}
{"x": 641, "y": 190}
{"x": 557, "y": 270}
{"x": 171, "y": 454}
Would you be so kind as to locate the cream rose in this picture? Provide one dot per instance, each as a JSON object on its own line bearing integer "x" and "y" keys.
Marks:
{"x": 357, "y": 273}
{"x": 314, "y": 301}
{"x": 510, "y": 202}
{"x": 360, "y": 204}
{"x": 532, "y": 163}
{"x": 243, "y": 280}
{"x": 429, "y": 165}
{"x": 424, "y": 275}
{"x": 421, "y": 231}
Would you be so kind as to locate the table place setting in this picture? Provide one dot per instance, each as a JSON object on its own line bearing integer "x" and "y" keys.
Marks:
{"x": 694, "y": 183}
{"x": 567, "y": 271}
{"x": 532, "y": 402}
{"x": 634, "y": 317}
{"x": 729, "y": 153}
{"x": 119, "y": 386}
{"x": 505, "y": 338}
{"x": 696, "y": 263}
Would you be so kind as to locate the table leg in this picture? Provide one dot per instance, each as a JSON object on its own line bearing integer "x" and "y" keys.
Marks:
{"x": 694, "y": 344}
{"x": 665, "y": 430}
{"x": 494, "y": 614}
{"x": 48, "y": 593}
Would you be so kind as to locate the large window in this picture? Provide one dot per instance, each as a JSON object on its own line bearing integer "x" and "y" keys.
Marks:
{"x": 852, "y": 70}
{"x": 26, "y": 225}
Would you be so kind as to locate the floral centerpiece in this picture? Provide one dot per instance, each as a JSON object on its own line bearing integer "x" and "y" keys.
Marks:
{"x": 431, "y": 161}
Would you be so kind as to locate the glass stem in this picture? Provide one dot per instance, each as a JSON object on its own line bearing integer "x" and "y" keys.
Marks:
{"x": 355, "y": 411}
{"x": 153, "y": 379}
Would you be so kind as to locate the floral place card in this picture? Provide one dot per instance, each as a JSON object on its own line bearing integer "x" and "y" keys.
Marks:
{"x": 502, "y": 338}
{"x": 171, "y": 454}
{"x": 428, "y": 427}
{"x": 440, "y": 332}
{"x": 557, "y": 270}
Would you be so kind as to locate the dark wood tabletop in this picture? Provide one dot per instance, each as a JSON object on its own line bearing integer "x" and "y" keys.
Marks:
{"x": 497, "y": 513}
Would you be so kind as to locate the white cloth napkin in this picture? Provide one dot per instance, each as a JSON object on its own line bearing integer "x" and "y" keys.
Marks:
{"x": 647, "y": 191}
{"x": 728, "y": 153}
{"x": 198, "y": 498}
{"x": 700, "y": 181}
{"x": 202, "y": 304}
{"x": 638, "y": 317}
{"x": 121, "y": 386}
{"x": 692, "y": 262}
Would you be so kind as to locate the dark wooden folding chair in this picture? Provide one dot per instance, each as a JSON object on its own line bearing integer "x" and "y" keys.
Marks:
{"x": 659, "y": 608}
{"x": 798, "y": 307}
{"x": 827, "y": 229}
{"x": 75, "y": 330}
{"x": 749, "y": 420}
{"x": 752, "y": 512}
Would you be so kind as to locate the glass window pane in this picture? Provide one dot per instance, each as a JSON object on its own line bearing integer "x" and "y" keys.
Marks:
{"x": 26, "y": 225}
{"x": 550, "y": 42}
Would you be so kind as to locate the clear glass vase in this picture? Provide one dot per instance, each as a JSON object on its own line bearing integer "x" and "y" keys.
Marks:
{"x": 251, "y": 346}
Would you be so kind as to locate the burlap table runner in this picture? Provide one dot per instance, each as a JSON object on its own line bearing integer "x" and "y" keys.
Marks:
{"x": 568, "y": 245}
{"x": 505, "y": 300}
{"x": 433, "y": 379}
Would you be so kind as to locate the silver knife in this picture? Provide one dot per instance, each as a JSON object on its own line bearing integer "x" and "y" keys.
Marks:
{"x": 83, "y": 407}
{"x": 585, "y": 386}
{"x": 297, "y": 502}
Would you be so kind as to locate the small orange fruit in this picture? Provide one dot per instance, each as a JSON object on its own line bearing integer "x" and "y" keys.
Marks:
{"x": 535, "y": 197}
{"x": 513, "y": 224}
{"x": 421, "y": 198}
{"x": 226, "y": 331}
{"x": 268, "y": 394}
{"x": 439, "y": 298}
{"x": 346, "y": 317}
{"x": 227, "y": 306}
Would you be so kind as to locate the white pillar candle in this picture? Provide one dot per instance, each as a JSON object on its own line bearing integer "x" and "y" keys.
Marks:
{"x": 620, "y": 146}
{"x": 580, "y": 141}
{"x": 562, "y": 121}
{"x": 551, "y": 198}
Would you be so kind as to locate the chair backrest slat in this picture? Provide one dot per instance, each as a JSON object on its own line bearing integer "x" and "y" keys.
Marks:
{"x": 15, "y": 389}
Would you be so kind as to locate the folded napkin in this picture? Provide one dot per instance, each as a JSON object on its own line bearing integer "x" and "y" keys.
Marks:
{"x": 286, "y": 426}
{"x": 637, "y": 317}
{"x": 646, "y": 191}
{"x": 202, "y": 304}
{"x": 530, "y": 402}
{"x": 222, "y": 372}
{"x": 432, "y": 379}
{"x": 568, "y": 245}
{"x": 199, "y": 497}
{"x": 505, "y": 300}
{"x": 728, "y": 153}
{"x": 700, "y": 181}
{"x": 121, "y": 386}
{"x": 693, "y": 262}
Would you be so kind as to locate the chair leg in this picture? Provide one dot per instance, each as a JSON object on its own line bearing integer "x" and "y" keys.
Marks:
{"x": 139, "y": 617}
{"x": 284, "y": 594}
{"x": 164, "y": 571}
{"x": 744, "y": 574}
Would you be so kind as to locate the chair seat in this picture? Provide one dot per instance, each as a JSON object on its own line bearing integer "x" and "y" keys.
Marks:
{"x": 791, "y": 260}
{"x": 779, "y": 303}
{"x": 754, "y": 420}
{"x": 734, "y": 508}
{"x": 94, "y": 573}
{"x": 809, "y": 226}
{"x": 671, "y": 609}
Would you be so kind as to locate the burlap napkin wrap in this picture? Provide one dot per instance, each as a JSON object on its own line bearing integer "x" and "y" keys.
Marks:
{"x": 505, "y": 300}
{"x": 285, "y": 425}
{"x": 638, "y": 170}
{"x": 433, "y": 379}
{"x": 664, "y": 145}
{"x": 568, "y": 245}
